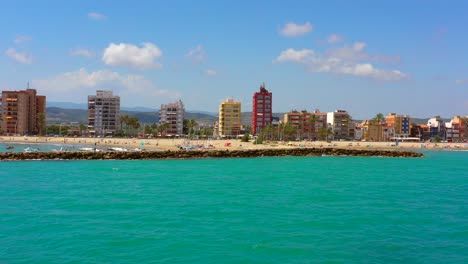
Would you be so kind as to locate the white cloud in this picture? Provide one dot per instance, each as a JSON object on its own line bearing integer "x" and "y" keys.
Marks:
{"x": 19, "y": 57}
{"x": 82, "y": 53}
{"x": 294, "y": 30}
{"x": 96, "y": 16}
{"x": 21, "y": 39}
{"x": 334, "y": 38}
{"x": 461, "y": 81}
{"x": 77, "y": 85}
{"x": 197, "y": 54}
{"x": 348, "y": 60}
{"x": 298, "y": 56}
{"x": 211, "y": 72}
{"x": 132, "y": 55}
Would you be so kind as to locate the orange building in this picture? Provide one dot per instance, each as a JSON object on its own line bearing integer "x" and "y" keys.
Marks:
{"x": 23, "y": 112}
{"x": 308, "y": 124}
{"x": 460, "y": 122}
{"x": 400, "y": 123}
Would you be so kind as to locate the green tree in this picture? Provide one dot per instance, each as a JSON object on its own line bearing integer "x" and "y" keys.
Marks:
{"x": 312, "y": 122}
{"x": 125, "y": 119}
{"x": 268, "y": 132}
{"x": 191, "y": 124}
{"x": 154, "y": 128}
{"x": 288, "y": 131}
{"x": 324, "y": 133}
{"x": 162, "y": 129}
{"x": 135, "y": 124}
{"x": 245, "y": 137}
{"x": 379, "y": 118}
{"x": 41, "y": 123}
{"x": 147, "y": 130}
{"x": 259, "y": 140}
{"x": 83, "y": 128}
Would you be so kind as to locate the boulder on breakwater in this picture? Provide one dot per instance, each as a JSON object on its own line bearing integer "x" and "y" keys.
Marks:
{"x": 194, "y": 154}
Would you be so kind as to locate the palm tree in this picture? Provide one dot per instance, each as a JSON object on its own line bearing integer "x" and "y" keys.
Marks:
{"x": 312, "y": 120}
{"x": 162, "y": 128}
{"x": 379, "y": 117}
{"x": 41, "y": 121}
{"x": 268, "y": 132}
{"x": 289, "y": 131}
{"x": 125, "y": 119}
{"x": 191, "y": 124}
{"x": 324, "y": 133}
{"x": 154, "y": 128}
{"x": 135, "y": 124}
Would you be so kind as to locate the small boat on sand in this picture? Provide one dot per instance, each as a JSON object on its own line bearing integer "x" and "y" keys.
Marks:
{"x": 117, "y": 149}
{"x": 28, "y": 150}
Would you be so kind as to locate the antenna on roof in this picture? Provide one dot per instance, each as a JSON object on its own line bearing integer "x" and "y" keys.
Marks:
{"x": 28, "y": 85}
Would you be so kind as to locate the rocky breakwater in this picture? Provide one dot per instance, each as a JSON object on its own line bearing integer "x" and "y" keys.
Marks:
{"x": 193, "y": 154}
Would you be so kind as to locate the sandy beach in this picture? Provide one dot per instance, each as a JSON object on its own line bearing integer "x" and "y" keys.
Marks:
{"x": 174, "y": 144}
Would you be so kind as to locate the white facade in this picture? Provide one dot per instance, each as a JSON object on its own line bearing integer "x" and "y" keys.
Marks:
{"x": 103, "y": 113}
{"x": 173, "y": 114}
{"x": 341, "y": 124}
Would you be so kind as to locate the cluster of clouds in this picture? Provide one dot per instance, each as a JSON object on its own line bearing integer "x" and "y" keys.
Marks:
{"x": 294, "y": 30}
{"x": 96, "y": 16}
{"x": 337, "y": 58}
{"x": 347, "y": 60}
{"x": 144, "y": 57}
{"x": 16, "y": 54}
{"x": 82, "y": 82}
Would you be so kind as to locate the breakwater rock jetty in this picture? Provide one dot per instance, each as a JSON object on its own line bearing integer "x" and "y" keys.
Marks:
{"x": 194, "y": 154}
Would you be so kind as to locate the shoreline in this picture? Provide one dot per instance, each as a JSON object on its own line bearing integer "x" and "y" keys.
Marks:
{"x": 210, "y": 145}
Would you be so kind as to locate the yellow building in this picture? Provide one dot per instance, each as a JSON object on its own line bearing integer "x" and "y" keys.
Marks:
{"x": 229, "y": 118}
{"x": 371, "y": 130}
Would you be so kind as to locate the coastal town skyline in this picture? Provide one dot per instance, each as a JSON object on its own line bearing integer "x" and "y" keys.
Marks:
{"x": 202, "y": 55}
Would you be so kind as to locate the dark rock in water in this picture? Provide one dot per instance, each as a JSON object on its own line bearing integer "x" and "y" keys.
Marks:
{"x": 183, "y": 154}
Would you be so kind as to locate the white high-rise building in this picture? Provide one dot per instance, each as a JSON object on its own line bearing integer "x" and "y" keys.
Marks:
{"x": 341, "y": 124}
{"x": 103, "y": 113}
{"x": 173, "y": 114}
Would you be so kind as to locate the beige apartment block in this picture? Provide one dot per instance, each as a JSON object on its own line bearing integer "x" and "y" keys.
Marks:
{"x": 23, "y": 112}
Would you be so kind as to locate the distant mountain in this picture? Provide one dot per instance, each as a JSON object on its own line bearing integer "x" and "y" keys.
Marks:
{"x": 138, "y": 109}
{"x": 203, "y": 112}
{"x": 63, "y": 115}
{"x": 66, "y": 115}
{"x": 84, "y": 106}
{"x": 68, "y": 105}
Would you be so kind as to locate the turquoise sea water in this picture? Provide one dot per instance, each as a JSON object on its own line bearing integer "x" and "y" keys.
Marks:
{"x": 262, "y": 210}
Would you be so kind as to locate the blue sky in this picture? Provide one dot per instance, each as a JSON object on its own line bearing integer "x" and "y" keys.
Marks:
{"x": 366, "y": 57}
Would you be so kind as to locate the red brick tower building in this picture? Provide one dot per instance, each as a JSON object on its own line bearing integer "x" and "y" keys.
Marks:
{"x": 262, "y": 110}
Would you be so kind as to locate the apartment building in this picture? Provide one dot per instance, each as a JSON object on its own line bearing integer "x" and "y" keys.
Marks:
{"x": 462, "y": 123}
{"x": 173, "y": 114}
{"x": 372, "y": 130}
{"x": 229, "y": 123}
{"x": 261, "y": 109}
{"x": 341, "y": 124}
{"x": 103, "y": 113}
{"x": 401, "y": 124}
{"x": 308, "y": 124}
{"x": 23, "y": 112}
{"x": 436, "y": 127}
